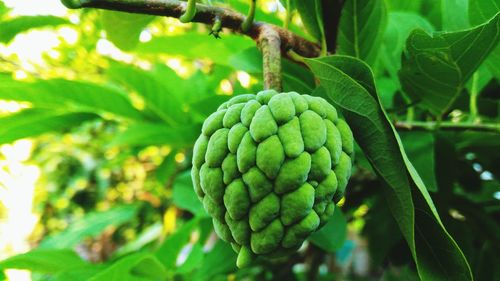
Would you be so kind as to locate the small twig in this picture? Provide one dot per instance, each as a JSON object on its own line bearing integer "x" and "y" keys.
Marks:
{"x": 247, "y": 23}
{"x": 190, "y": 12}
{"x": 449, "y": 126}
{"x": 474, "y": 111}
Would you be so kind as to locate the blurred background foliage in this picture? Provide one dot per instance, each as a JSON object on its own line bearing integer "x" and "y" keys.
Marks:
{"x": 98, "y": 114}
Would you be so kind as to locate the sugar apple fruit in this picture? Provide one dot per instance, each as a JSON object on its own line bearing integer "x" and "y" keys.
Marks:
{"x": 269, "y": 169}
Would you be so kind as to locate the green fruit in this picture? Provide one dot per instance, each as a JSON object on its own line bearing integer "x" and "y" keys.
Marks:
{"x": 269, "y": 169}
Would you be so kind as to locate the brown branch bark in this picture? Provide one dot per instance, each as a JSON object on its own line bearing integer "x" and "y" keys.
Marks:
{"x": 204, "y": 14}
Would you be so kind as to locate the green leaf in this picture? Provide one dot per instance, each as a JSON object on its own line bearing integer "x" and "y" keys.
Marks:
{"x": 404, "y": 273}
{"x": 436, "y": 68}
{"x": 78, "y": 274}
{"x": 398, "y": 5}
{"x": 144, "y": 134}
{"x": 34, "y": 122}
{"x": 10, "y": 28}
{"x": 159, "y": 88}
{"x": 59, "y": 94}
{"x": 221, "y": 259}
{"x": 208, "y": 105}
{"x": 197, "y": 46}
{"x": 419, "y": 147}
{"x": 349, "y": 83}
{"x": 91, "y": 225}
{"x": 193, "y": 261}
{"x": 291, "y": 3}
{"x": 124, "y": 29}
{"x": 150, "y": 234}
{"x": 136, "y": 267}
{"x": 44, "y": 261}
{"x": 399, "y": 26}
{"x": 481, "y": 11}
{"x": 184, "y": 196}
{"x": 167, "y": 168}
{"x": 3, "y": 11}
{"x": 432, "y": 11}
{"x": 387, "y": 91}
{"x": 169, "y": 250}
{"x": 377, "y": 227}
{"x": 492, "y": 64}
{"x": 312, "y": 17}
{"x": 331, "y": 236}
{"x": 455, "y": 14}
{"x": 362, "y": 25}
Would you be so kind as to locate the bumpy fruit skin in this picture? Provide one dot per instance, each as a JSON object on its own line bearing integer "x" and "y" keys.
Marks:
{"x": 269, "y": 168}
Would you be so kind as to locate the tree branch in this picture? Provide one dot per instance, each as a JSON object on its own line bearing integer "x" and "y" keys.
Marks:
{"x": 204, "y": 14}
{"x": 449, "y": 126}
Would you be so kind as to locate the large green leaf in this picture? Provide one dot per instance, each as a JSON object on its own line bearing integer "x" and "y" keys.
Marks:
{"x": 167, "y": 168}
{"x": 124, "y": 29}
{"x": 436, "y": 68}
{"x": 481, "y": 11}
{"x": 331, "y": 236}
{"x": 10, "y": 28}
{"x": 349, "y": 83}
{"x": 455, "y": 14}
{"x": 169, "y": 250}
{"x": 136, "y": 267}
{"x": 59, "y": 94}
{"x": 79, "y": 274}
{"x": 398, "y": 5}
{"x": 193, "y": 261}
{"x": 184, "y": 196}
{"x": 362, "y": 25}
{"x": 44, "y": 261}
{"x": 34, "y": 122}
{"x": 143, "y": 134}
{"x": 3, "y": 11}
{"x": 149, "y": 235}
{"x": 419, "y": 147}
{"x": 399, "y": 26}
{"x": 312, "y": 17}
{"x": 159, "y": 89}
{"x": 91, "y": 225}
{"x": 221, "y": 259}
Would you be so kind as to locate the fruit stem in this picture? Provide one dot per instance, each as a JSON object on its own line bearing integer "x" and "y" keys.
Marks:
{"x": 270, "y": 45}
